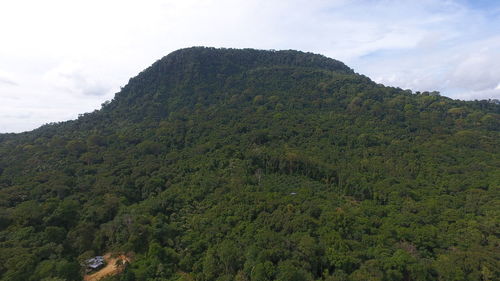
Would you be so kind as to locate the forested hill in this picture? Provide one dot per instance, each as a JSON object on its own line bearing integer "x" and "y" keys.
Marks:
{"x": 225, "y": 164}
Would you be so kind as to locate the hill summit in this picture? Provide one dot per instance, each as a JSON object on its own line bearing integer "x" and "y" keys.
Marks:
{"x": 227, "y": 164}
{"x": 200, "y": 71}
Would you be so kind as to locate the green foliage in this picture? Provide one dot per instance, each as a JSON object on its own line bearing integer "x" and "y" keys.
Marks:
{"x": 223, "y": 164}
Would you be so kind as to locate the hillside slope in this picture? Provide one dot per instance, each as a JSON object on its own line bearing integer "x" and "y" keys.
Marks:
{"x": 224, "y": 164}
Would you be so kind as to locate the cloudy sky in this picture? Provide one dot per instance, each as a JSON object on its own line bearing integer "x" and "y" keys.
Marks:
{"x": 59, "y": 58}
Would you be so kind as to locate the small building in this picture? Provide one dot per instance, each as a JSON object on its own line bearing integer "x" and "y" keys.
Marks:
{"x": 95, "y": 263}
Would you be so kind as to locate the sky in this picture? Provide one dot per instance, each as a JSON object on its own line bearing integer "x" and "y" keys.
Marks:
{"x": 62, "y": 58}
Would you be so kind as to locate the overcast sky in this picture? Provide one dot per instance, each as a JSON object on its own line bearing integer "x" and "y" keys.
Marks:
{"x": 59, "y": 58}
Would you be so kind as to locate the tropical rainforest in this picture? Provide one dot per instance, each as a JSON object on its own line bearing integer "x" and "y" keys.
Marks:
{"x": 252, "y": 165}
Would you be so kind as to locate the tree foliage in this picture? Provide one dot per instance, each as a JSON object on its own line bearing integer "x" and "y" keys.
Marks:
{"x": 223, "y": 164}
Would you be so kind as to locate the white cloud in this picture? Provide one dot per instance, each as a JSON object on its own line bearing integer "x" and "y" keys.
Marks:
{"x": 479, "y": 70}
{"x": 6, "y": 79}
{"x": 70, "y": 77}
{"x": 61, "y": 58}
{"x": 466, "y": 71}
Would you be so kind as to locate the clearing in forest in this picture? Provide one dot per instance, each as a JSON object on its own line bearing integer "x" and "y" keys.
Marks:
{"x": 114, "y": 265}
